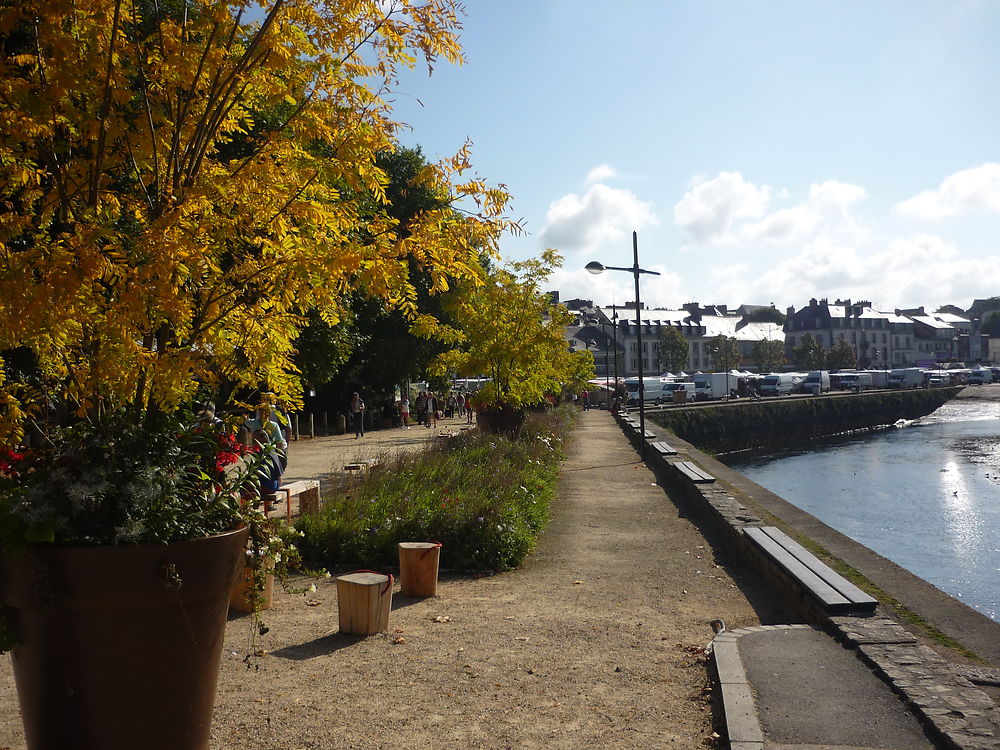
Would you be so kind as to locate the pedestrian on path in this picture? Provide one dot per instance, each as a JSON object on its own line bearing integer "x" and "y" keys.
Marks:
{"x": 432, "y": 407}
{"x": 404, "y": 411}
{"x": 358, "y": 415}
{"x": 468, "y": 408}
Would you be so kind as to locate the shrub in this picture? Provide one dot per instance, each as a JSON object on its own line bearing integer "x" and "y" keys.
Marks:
{"x": 484, "y": 497}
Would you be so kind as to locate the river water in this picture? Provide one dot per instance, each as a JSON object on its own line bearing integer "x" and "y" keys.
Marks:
{"x": 925, "y": 494}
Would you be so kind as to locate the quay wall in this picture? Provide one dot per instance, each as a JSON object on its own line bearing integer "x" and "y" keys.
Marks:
{"x": 776, "y": 423}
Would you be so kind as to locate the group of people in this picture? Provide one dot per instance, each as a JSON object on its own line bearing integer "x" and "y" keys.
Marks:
{"x": 430, "y": 407}
{"x": 425, "y": 410}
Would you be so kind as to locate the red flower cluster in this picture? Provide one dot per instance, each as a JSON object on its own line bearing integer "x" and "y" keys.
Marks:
{"x": 11, "y": 462}
{"x": 230, "y": 451}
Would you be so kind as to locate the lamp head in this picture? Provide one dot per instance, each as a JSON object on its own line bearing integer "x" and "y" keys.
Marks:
{"x": 595, "y": 267}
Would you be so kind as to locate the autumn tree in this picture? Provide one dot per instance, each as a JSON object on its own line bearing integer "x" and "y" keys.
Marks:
{"x": 512, "y": 332}
{"x": 144, "y": 256}
{"x": 841, "y": 356}
{"x": 725, "y": 352}
{"x": 768, "y": 355}
{"x": 673, "y": 349}
{"x": 809, "y": 354}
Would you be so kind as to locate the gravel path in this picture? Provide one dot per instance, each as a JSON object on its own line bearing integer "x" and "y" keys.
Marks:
{"x": 595, "y": 643}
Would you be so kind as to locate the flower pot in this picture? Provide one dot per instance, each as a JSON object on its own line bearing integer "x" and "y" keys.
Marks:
{"x": 119, "y": 647}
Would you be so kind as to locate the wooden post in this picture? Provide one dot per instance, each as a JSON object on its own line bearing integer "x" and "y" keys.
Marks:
{"x": 296, "y": 426}
{"x": 363, "y": 601}
{"x": 326, "y": 426}
{"x": 418, "y": 568}
{"x": 312, "y": 426}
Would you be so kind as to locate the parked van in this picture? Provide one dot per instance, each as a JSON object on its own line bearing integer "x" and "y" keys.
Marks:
{"x": 817, "y": 381}
{"x": 781, "y": 384}
{"x": 856, "y": 381}
{"x": 906, "y": 377}
{"x": 652, "y": 390}
{"x": 669, "y": 389}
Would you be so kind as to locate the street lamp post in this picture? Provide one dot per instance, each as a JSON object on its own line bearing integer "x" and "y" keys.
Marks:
{"x": 614, "y": 335}
{"x": 596, "y": 267}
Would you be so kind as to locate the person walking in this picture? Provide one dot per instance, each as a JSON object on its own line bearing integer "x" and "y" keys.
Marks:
{"x": 422, "y": 408}
{"x": 586, "y": 400}
{"x": 358, "y": 415}
{"x": 468, "y": 408}
{"x": 404, "y": 410}
{"x": 431, "y": 407}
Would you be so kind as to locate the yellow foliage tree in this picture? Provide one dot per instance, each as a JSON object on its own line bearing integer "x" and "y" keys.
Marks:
{"x": 514, "y": 334}
{"x": 157, "y": 232}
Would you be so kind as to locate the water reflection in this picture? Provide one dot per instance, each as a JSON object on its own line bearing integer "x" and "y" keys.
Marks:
{"x": 925, "y": 495}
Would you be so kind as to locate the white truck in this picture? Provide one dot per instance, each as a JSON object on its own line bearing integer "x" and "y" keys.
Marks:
{"x": 716, "y": 385}
{"x": 906, "y": 377}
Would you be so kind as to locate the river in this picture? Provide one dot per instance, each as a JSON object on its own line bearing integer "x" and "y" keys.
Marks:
{"x": 925, "y": 494}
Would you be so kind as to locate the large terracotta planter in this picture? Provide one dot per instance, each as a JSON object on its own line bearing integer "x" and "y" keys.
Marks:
{"x": 119, "y": 647}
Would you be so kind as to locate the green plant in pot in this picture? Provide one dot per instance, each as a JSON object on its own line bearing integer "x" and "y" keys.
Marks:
{"x": 513, "y": 332}
{"x": 181, "y": 185}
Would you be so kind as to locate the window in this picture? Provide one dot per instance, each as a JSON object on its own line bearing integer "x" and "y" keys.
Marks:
{"x": 895, "y": 340}
{"x": 791, "y": 341}
{"x": 694, "y": 347}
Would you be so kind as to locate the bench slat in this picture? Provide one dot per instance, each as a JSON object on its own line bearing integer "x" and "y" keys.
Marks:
{"x": 663, "y": 448}
{"x": 650, "y": 435}
{"x": 827, "y": 595}
{"x": 693, "y": 472}
{"x": 817, "y": 566}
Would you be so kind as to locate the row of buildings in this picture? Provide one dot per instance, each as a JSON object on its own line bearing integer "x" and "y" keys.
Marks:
{"x": 879, "y": 339}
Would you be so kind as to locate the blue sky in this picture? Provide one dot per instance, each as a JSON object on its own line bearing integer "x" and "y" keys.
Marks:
{"x": 763, "y": 151}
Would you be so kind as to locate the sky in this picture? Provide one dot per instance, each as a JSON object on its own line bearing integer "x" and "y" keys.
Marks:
{"x": 764, "y": 152}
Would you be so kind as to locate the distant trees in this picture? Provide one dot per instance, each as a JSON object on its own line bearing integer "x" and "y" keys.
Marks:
{"x": 769, "y": 355}
{"x": 673, "y": 349}
{"x": 725, "y": 352}
{"x": 991, "y": 324}
{"x": 841, "y": 356}
{"x": 767, "y": 315}
{"x": 809, "y": 354}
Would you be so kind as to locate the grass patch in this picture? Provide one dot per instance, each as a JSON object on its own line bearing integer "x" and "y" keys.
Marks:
{"x": 484, "y": 497}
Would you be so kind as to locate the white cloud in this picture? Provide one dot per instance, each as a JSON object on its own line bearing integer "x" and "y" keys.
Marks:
{"x": 602, "y": 215}
{"x": 657, "y": 291}
{"x": 826, "y": 208}
{"x": 709, "y": 210}
{"x": 600, "y": 173}
{"x": 904, "y": 272}
{"x": 968, "y": 191}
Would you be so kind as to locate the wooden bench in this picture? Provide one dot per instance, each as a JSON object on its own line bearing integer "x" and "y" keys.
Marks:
{"x": 663, "y": 449}
{"x": 694, "y": 473}
{"x": 833, "y": 592}
{"x": 649, "y": 435}
{"x": 307, "y": 492}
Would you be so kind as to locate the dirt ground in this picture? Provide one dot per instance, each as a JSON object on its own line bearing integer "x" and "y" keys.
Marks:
{"x": 597, "y": 642}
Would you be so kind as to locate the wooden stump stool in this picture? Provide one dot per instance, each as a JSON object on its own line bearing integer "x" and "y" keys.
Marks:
{"x": 363, "y": 601}
{"x": 239, "y": 596}
{"x": 418, "y": 568}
